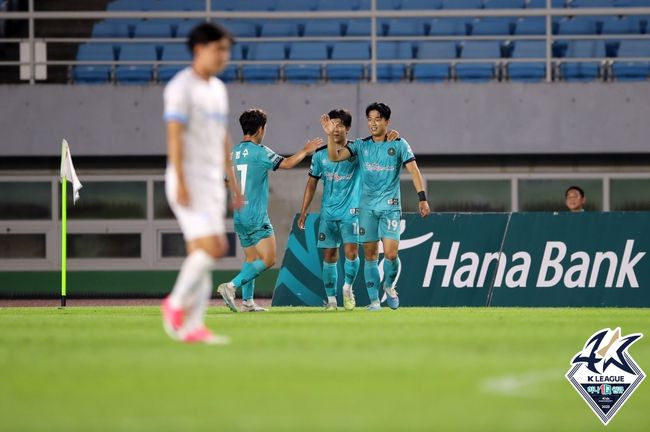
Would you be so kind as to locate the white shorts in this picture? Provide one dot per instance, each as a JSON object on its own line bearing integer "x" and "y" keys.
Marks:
{"x": 205, "y": 215}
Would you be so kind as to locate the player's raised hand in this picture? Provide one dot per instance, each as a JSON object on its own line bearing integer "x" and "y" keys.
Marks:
{"x": 301, "y": 221}
{"x": 424, "y": 209}
{"x": 392, "y": 135}
{"x": 313, "y": 144}
{"x": 182, "y": 195}
{"x": 327, "y": 124}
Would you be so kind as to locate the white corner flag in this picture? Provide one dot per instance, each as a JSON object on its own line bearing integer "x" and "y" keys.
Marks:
{"x": 67, "y": 171}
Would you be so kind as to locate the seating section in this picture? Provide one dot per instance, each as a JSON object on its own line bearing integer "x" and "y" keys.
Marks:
{"x": 139, "y": 51}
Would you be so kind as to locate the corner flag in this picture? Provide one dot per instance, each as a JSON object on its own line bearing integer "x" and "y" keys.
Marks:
{"x": 67, "y": 174}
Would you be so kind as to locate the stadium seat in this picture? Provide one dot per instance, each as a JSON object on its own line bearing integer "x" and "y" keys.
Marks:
{"x": 620, "y": 25}
{"x": 406, "y": 27}
{"x": 173, "y": 52}
{"x": 243, "y": 5}
{"x": 359, "y": 27}
{"x": 114, "y": 29}
{"x": 450, "y": 27}
{"x": 389, "y": 51}
{"x": 306, "y": 73}
{"x": 264, "y": 73}
{"x": 582, "y": 71}
{"x": 185, "y": 27}
{"x": 462, "y": 4}
{"x": 152, "y": 29}
{"x": 244, "y": 29}
{"x": 323, "y": 28}
{"x": 632, "y": 70}
{"x": 536, "y": 4}
{"x": 348, "y": 51}
{"x": 297, "y": 5}
{"x": 591, "y": 4}
{"x": 434, "y": 72}
{"x": 577, "y": 25}
{"x": 93, "y": 74}
{"x": 530, "y": 26}
{"x": 493, "y": 26}
{"x": 389, "y": 4}
{"x": 336, "y": 5}
{"x": 478, "y": 72}
{"x": 229, "y": 74}
{"x": 528, "y": 72}
{"x": 136, "y": 74}
{"x": 282, "y": 28}
{"x": 421, "y": 4}
{"x": 503, "y": 4}
{"x": 632, "y": 3}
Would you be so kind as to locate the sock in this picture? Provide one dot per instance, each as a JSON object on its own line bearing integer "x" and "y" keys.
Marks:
{"x": 247, "y": 290}
{"x": 351, "y": 269}
{"x": 391, "y": 270}
{"x": 330, "y": 278}
{"x": 192, "y": 272}
{"x": 249, "y": 271}
{"x": 199, "y": 304}
{"x": 371, "y": 274}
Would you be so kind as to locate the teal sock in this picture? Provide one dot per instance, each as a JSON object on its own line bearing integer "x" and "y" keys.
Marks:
{"x": 330, "y": 278}
{"x": 249, "y": 271}
{"x": 247, "y": 290}
{"x": 391, "y": 269}
{"x": 371, "y": 274}
{"x": 351, "y": 268}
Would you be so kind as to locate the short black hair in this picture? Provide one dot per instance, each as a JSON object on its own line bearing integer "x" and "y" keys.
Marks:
{"x": 205, "y": 33}
{"x": 576, "y": 188}
{"x": 381, "y": 108}
{"x": 252, "y": 120}
{"x": 343, "y": 115}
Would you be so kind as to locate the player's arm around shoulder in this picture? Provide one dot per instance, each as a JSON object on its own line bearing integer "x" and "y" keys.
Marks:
{"x": 413, "y": 169}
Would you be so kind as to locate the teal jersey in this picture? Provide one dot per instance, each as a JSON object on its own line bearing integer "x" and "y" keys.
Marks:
{"x": 340, "y": 185}
{"x": 252, "y": 163}
{"x": 380, "y": 165}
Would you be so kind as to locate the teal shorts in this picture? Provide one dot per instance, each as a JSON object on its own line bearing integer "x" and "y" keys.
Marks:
{"x": 250, "y": 235}
{"x": 375, "y": 225}
{"x": 331, "y": 234}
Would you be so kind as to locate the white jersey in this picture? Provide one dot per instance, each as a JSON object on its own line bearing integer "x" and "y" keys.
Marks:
{"x": 203, "y": 107}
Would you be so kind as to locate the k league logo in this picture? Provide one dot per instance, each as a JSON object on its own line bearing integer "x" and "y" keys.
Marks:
{"x": 604, "y": 373}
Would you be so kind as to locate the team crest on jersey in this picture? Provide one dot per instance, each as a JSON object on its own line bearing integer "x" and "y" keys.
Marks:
{"x": 245, "y": 152}
{"x": 321, "y": 236}
{"x": 391, "y": 151}
{"x": 604, "y": 373}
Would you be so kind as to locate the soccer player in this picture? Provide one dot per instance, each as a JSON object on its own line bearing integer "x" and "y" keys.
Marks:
{"x": 196, "y": 113}
{"x": 380, "y": 165}
{"x": 252, "y": 160}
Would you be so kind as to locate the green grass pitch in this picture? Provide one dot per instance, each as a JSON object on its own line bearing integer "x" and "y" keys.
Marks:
{"x": 301, "y": 369}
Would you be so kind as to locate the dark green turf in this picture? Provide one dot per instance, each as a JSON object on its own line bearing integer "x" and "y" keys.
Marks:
{"x": 465, "y": 369}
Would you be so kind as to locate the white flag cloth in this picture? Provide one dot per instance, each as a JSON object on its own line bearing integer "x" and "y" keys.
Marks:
{"x": 67, "y": 171}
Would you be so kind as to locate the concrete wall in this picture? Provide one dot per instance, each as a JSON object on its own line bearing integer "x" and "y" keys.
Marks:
{"x": 454, "y": 119}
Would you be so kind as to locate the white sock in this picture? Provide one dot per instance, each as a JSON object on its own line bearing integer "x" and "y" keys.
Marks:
{"x": 199, "y": 304}
{"x": 331, "y": 299}
{"x": 347, "y": 289}
{"x": 192, "y": 271}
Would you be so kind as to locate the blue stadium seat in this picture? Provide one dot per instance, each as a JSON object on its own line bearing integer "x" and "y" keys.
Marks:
{"x": 306, "y": 73}
{"x": 421, "y": 4}
{"x": 243, "y": 5}
{"x": 536, "y": 4}
{"x": 389, "y": 4}
{"x": 434, "y": 51}
{"x": 173, "y": 52}
{"x": 450, "y": 27}
{"x": 282, "y": 28}
{"x": 185, "y": 27}
{"x": 178, "y": 5}
{"x": 586, "y": 48}
{"x": 266, "y": 73}
{"x": 406, "y": 27}
{"x": 244, "y": 29}
{"x": 530, "y": 26}
{"x": 462, "y": 4}
{"x": 632, "y": 70}
{"x": 591, "y": 3}
{"x": 153, "y": 29}
{"x": 620, "y": 25}
{"x": 493, "y": 26}
{"x": 334, "y": 5}
{"x": 114, "y": 29}
{"x": 389, "y": 51}
{"x": 528, "y": 72}
{"x": 297, "y": 5}
{"x": 478, "y": 72}
{"x": 323, "y": 28}
{"x": 577, "y": 25}
{"x": 125, "y": 5}
{"x": 229, "y": 74}
{"x": 93, "y": 74}
{"x": 503, "y": 4}
{"x": 348, "y": 51}
{"x": 632, "y": 3}
{"x": 582, "y": 71}
{"x": 136, "y": 74}
{"x": 359, "y": 27}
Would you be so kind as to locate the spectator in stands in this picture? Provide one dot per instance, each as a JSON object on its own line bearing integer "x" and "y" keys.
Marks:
{"x": 575, "y": 199}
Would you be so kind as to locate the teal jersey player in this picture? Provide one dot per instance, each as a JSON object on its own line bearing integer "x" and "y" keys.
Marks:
{"x": 340, "y": 185}
{"x": 252, "y": 163}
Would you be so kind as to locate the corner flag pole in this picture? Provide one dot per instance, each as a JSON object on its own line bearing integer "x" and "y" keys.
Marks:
{"x": 67, "y": 174}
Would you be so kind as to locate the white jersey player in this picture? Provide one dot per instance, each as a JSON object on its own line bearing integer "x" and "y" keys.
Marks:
{"x": 196, "y": 114}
